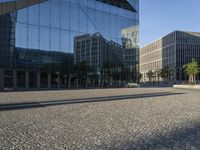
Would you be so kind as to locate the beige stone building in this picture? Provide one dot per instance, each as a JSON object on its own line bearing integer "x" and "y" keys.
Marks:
{"x": 173, "y": 50}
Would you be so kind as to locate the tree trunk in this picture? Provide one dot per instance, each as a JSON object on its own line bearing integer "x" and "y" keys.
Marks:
{"x": 77, "y": 82}
{"x": 86, "y": 83}
{"x": 93, "y": 83}
{"x": 69, "y": 82}
{"x": 190, "y": 80}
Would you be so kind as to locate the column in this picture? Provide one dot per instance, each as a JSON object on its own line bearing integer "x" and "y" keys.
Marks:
{"x": 27, "y": 79}
{"x": 69, "y": 81}
{"x": 38, "y": 80}
{"x": 180, "y": 73}
{"x": 58, "y": 80}
{"x": 14, "y": 79}
{"x": 1, "y": 79}
{"x": 49, "y": 80}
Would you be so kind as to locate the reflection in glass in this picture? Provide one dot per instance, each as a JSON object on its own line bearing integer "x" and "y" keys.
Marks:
{"x": 40, "y": 34}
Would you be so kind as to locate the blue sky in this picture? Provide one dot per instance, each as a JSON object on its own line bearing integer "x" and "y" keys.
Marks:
{"x": 159, "y": 17}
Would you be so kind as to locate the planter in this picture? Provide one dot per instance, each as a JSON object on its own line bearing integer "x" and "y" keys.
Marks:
{"x": 188, "y": 86}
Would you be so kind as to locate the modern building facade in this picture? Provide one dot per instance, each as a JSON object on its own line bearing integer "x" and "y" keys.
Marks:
{"x": 97, "y": 51}
{"x": 36, "y": 26}
{"x": 174, "y": 51}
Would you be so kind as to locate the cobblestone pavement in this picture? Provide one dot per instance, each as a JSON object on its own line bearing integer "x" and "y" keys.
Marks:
{"x": 142, "y": 118}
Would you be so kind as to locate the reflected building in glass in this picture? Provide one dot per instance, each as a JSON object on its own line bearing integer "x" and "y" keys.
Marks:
{"x": 97, "y": 51}
{"x": 130, "y": 40}
{"x": 37, "y": 38}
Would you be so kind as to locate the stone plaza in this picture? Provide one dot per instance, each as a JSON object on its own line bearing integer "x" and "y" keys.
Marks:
{"x": 116, "y": 119}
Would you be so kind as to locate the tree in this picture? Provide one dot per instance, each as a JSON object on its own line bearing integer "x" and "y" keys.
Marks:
{"x": 93, "y": 76}
{"x": 69, "y": 71}
{"x": 150, "y": 75}
{"x": 158, "y": 73}
{"x": 192, "y": 69}
{"x": 82, "y": 72}
{"x": 107, "y": 72}
{"x": 139, "y": 77}
{"x": 165, "y": 73}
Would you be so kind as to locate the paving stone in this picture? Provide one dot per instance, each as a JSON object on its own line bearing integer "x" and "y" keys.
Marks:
{"x": 141, "y": 118}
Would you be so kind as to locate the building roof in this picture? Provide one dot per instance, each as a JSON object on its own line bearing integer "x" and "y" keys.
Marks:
{"x": 10, "y": 6}
{"x": 119, "y": 3}
{"x": 176, "y": 31}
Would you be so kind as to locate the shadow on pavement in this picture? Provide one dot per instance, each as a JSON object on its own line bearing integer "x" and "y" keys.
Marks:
{"x": 180, "y": 138}
{"x": 28, "y": 105}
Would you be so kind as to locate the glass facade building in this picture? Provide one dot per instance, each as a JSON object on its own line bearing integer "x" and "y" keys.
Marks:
{"x": 46, "y": 29}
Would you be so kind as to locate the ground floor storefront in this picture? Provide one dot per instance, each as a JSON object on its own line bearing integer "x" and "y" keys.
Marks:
{"x": 20, "y": 79}
{"x": 29, "y": 79}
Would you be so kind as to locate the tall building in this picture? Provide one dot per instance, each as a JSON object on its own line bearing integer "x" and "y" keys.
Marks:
{"x": 174, "y": 51}
{"x": 96, "y": 51}
{"x": 52, "y": 25}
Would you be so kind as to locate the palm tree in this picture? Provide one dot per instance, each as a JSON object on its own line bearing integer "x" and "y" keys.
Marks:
{"x": 192, "y": 69}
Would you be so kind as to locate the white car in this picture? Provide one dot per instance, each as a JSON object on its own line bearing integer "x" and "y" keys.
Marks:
{"x": 132, "y": 85}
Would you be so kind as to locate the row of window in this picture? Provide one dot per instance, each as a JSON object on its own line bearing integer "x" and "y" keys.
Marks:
{"x": 188, "y": 37}
{"x": 185, "y": 53}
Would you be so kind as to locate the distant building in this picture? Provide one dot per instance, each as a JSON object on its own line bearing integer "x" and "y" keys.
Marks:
{"x": 96, "y": 51}
{"x": 130, "y": 42}
{"x": 173, "y": 50}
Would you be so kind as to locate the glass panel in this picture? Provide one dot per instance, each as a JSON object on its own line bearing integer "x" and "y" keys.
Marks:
{"x": 83, "y": 19}
{"x": 45, "y": 14}
{"x": 21, "y": 35}
{"x": 71, "y": 45}
{"x": 92, "y": 27}
{"x": 65, "y": 15}
{"x": 44, "y": 38}
{"x": 22, "y": 15}
{"x": 33, "y": 15}
{"x": 65, "y": 41}
{"x": 33, "y": 37}
{"x": 55, "y": 40}
{"x": 55, "y": 13}
{"x": 75, "y": 17}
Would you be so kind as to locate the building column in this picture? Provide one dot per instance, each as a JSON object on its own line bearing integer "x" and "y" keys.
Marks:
{"x": 69, "y": 81}
{"x": 180, "y": 73}
{"x": 38, "y": 80}
{"x": 1, "y": 79}
{"x": 14, "y": 79}
{"x": 27, "y": 79}
{"x": 58, "y": 80}
{"x": 49, "y": 80}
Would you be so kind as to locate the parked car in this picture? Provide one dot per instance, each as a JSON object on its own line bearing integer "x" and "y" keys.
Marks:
{"x": 132, "y": 85}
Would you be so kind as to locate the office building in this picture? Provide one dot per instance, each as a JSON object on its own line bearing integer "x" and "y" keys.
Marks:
{"x": 96, "y": 51}
{"x": 174, "y": 51}
{"x": 51, "y": 26}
